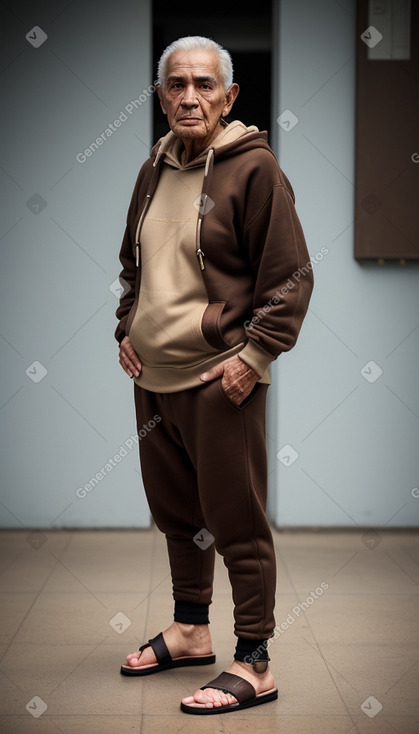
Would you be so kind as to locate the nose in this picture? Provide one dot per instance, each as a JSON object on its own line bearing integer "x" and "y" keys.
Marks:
{"x": 189, "y": 98}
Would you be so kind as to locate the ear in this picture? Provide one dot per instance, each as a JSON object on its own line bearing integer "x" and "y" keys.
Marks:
{"x": 161, "y": 98}
{"x": 230, "y": 96}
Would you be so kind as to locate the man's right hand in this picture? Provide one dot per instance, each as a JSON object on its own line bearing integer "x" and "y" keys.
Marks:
{"x": 128, "y": 358}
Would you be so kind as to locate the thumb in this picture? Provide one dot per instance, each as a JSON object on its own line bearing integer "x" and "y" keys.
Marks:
{"x": 213, "y": 373}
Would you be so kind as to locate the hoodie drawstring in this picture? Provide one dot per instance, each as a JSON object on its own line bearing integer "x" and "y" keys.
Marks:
{"x": 203, "y": 208}
{"x": 151, "y": 189}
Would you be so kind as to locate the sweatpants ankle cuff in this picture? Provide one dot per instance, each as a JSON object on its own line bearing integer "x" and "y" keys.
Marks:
{"x": 251, "y": 651}
{"x": 188, "y": 612}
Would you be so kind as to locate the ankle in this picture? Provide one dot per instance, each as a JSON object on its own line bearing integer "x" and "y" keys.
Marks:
{"x": 249, "y": 667}
{"x": 191, "y": 630}
{"x": 185, "y": 629}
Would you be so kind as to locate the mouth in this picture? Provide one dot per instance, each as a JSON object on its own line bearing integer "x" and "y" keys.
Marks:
{"x": 190, "y": 118}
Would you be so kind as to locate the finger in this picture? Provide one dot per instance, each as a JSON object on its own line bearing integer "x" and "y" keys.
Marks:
{"x": 126, "y": 370}
{"x": 132, "y": 356}
{"x": 135, "y": 371}
{"x": 129, "y": 352}
{"x": 231, "y": 389}
{"x": 129, "y": 356}
{"x": 125, "y": 367}
{"x": 135, "y": 367}
{"x": 131, "y": 368}
{"x": 213, "y": 373}
{"x": 237, "y": 389}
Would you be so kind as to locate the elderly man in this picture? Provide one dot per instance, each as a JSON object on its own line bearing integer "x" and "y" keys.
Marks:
{"x": 216, "y": 261}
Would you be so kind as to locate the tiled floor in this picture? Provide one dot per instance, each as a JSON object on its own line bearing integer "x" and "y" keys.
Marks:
{"x": 73, "y": 604}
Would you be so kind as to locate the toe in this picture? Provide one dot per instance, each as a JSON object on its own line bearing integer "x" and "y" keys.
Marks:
{"x": 209, "y": 698}
{"x": 188, "y": 700}
{"x": 220, "y": 698}
{"x": 201, "y": 697}
{"x": 133, "y": 658}
{"x": 141, "y": 659}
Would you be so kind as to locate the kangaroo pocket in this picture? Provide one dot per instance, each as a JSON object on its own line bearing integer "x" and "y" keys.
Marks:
{"x": 167, "y": 332}
{"x": 211, "y": 325}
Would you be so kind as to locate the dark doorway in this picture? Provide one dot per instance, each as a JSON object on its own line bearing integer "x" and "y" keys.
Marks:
{"x": 246, "y": 35}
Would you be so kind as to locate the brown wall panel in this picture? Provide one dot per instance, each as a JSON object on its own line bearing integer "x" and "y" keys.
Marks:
{"x": 387, "y": 150}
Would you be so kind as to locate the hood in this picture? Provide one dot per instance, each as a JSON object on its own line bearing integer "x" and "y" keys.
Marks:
{"x": 233, "y": 139}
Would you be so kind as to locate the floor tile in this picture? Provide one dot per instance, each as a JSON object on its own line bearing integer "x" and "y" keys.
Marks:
{"x": 345, "y": 653}
{"x": 14, "y": 609}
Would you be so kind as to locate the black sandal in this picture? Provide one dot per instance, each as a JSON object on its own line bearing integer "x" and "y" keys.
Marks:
{"x": 165, "y": 660}
{"x": 240, "y": 688}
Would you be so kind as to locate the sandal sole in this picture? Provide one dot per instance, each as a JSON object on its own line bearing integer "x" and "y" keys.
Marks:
{"x": 258, "y": 701}
{"x": 176, "y": 663}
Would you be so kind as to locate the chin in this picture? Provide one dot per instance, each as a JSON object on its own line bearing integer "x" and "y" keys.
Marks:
{"x": 190, "y": 131}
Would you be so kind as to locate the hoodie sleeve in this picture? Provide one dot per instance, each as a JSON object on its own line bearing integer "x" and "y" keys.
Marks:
{"x": 283, "y": 278}
{"x": 126, "y": 257}
{"x": 127, "y": 281}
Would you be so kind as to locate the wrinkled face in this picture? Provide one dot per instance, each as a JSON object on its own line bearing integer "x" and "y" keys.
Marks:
{"x": 193, "y": 97}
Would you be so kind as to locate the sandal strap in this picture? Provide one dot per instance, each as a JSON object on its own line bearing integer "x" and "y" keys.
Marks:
{"x": 159, "y": 648}
{"x": 230, "y": 683}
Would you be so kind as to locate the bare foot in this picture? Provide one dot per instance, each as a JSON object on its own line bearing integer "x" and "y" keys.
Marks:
{"x": 212, "y": 697}
{"x": 181, "y": 639}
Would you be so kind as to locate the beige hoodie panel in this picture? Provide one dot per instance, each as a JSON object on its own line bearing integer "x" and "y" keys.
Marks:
{"x": 166, "y": 331}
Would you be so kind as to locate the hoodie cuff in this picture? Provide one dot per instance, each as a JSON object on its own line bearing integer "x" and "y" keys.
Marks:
{"x": 256, "y": 358}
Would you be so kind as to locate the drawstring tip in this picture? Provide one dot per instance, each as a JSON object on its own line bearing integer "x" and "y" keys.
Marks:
{"x": 200, "y": 255}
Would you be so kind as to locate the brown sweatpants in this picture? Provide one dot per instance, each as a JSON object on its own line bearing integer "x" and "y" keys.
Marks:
{"x": 204, "y": 467}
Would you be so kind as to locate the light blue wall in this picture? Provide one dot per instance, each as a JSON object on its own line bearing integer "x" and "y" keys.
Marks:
{"x": 357, "y": 441}
{"x": 57, "y": 263}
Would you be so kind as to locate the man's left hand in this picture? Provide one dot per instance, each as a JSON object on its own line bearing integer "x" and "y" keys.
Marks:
{"x": 238, "y": 379}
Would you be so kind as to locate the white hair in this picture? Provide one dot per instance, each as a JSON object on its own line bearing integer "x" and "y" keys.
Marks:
{"x": 187, "y": 43}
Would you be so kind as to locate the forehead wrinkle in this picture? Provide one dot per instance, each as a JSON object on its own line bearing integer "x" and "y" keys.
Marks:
{"x": 198, "y": 78}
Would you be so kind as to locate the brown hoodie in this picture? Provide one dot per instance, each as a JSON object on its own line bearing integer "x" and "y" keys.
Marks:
{"x": 223, "y": 266}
